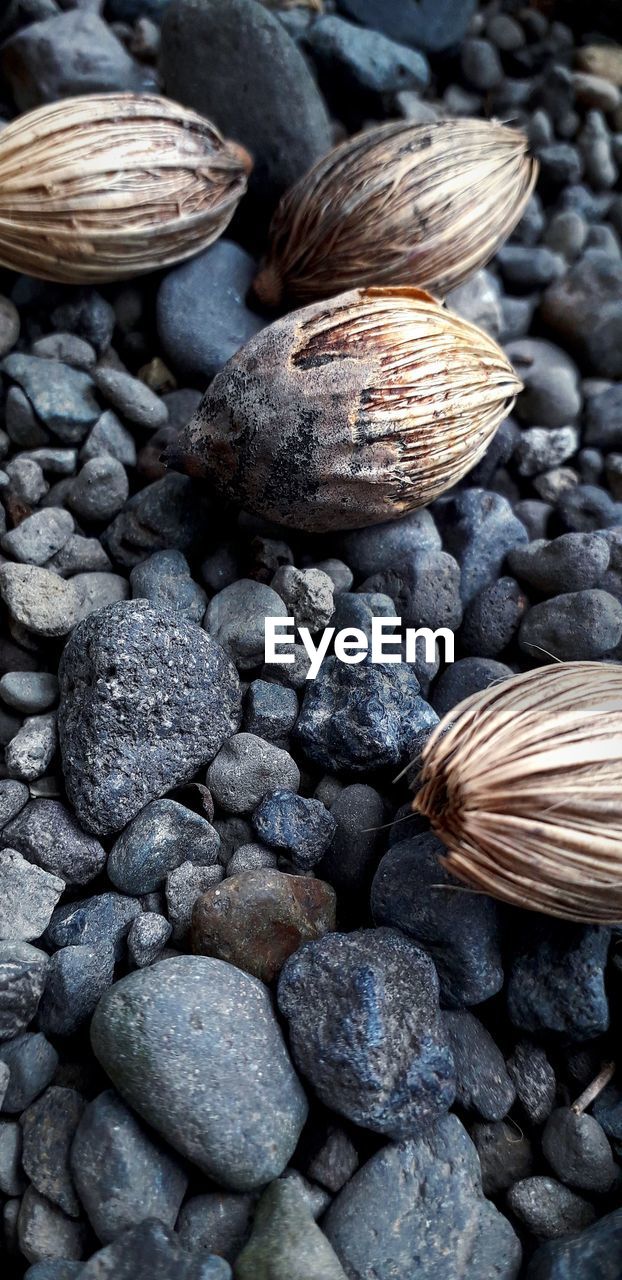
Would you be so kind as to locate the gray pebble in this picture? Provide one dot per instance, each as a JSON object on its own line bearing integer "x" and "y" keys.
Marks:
{"x": 77, "y": 977}
{"x": 28, "y": 483}
{"x": 29, "y": 692}
{"x": 307, "y": 594}
{"x": 47, "y": 833}
{"x": 534, "y": 1080}
{"x": 236, "y": 616}
{"x": 578, "y": 1151}
{"x": 13, "y": 796}
{"x": 248, "y": 768}
{"x": 22, "y": 979}
{"x": 541, "y": 448}
{"x": 39, "y": 600}
{"x": 98, "y": 590}
{"x": 152, "y": 1250}
{"x": 61, "y": 397}
{"x": 481, "y": 64}
{"x": 80, "y": 555}
{"x": 245, "y": 1100}
{"x": 504, "y": 1155}
{"x": 46, "y": 1232}
{"x": 482, "y": 1082}
{"x": 370, "y": 550}
{"x": 216, "y": 1222}
{"x": 578, "y": 625}
{"x": 165, "y": 580}
{"x": 572, "y": 562}
{"x": 12, "y": 1180}
{"x": 102, "y": 920}
{"x": 109, "y": 438}
{"x": 148, "y": 934}
{"x": 551, "y": 397}
{"x": 162, "y": 836}
{"x": 39, "y": 536}
{"x": 184, "y": 884}
{"x": 99, "y": 490}
{"x": 30, "y": 753}
{"x": 132, "y": 399}
{"x": 271, "y": 710}
{"x": 48, "y": 1128}
{"x": 22, "y": 425}
{"x": 66, "y": 347}
{"x": 549, "y": 1209}
{"x": 251, "y": 857}
{"x": 479, "y": 528}
{"x": 32, "y": 1062}
{"x": 9, "y": 325}
{"x": 28, "y": 896}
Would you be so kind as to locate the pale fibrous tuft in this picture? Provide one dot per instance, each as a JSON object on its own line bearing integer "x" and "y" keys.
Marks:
{"x": 399, "y": 204}
{"x": 111, "y": 185}
{"x": 523, "y": 784}
{"x": 350, "y": 412}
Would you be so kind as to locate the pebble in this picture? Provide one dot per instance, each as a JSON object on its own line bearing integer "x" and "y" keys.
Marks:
{"x": 541, "y": 448}
{"x": 578, "y": 1151}
{"x": 99, "y": 590}
{"x": 127, "y": 674}
{"x": 425, "y": 589}
{"x": 256, "y": 920}
{"x": 75, "y": 52}
{"x": 28, "y": 896}
{"x": 572, "y": 562}
{"x": 147, "y": 937}
{"x": 46, "y": 833}
{"x": 12, "y": 1180}
{"x": 251, "y": 857}
{"x": 302, "y": 828}
{"x": 493, "y": 617}
{"x": 566, "y": 233}
{"x": 414, "y": 1207}
{"x": 370, "y": 550}
{"x": 592, "y": 286}
{"x": 48, "y": 1127}
{"x": 361, "y": 718}
{"x": 586, "y": 507}
{"x": 162, "y": 836}
{"x": 602, "y": 418}
{"x": 201, "y": 310}
{"x": 504, "y": 1155}
{"x": 13, "y": 796}
{"x": 578, "y": 625}
{"x": 271, "y": 711}
{"x": 479, "y": 300}
{"x": 551, "y": 396}
{"x": 44, "y": 1231}
{"x": 351, "y": 860}
{"x": 413, "y": 892}
{"x": 165, "y": 580}
{"x": 99, "y": 490}
{"x": 335, "y": 1162}
{"x": 583, "y": 1256}
{"x": 9, "y": 325}
{"x": 286, "y": 1243}
{"x": 284, "y": 133}
{"x": 482, "y": 1082}
{"x": 22, "y": 979}
{"x": 533, "y": 1078}
{"x": 235, "y": 617}
{"x": 30, "y": 753}
{"x": 152, "y": 1250}
{"x": 39, "y": 600}
{"x": 66, "y": 347}
{"x": 184, "y": 886}
{"x": 464, "y": 677}
{"x": 246, "y": 1102}
{"x": 216, "y": 1222}
{"x": 102, "y": 920}
{"x": 526, "y": 267}
{"x": 122, "y": 1176}
{"x": 307, "y": 595}
{"x": 248, "y": 768}
{"x": 132, "y": 399}
{"x": 80, "y": 555}
{"x": 549, "y": 1209}
{"x": 38, "y": 537}
{"x": 355, "y": 63}
{"x": 365, "y": 1029}
{"x": 556, "y": 980}
{"x": 76, "y": 978}
{"x": 62, "y": 397}
{"x": 478, "y": 528}
{"x": 109, "y": 437}
{"x": 28, "y": 483}
{"x": 32, "y": 1062}
{"x": 29, "y": 692}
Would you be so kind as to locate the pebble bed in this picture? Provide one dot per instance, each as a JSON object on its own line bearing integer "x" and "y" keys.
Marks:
{"x": 248, "y": 1026}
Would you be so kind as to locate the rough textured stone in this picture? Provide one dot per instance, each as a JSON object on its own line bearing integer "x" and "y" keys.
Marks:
{"x": 75, "y": 52}
{"x": 417, "y": 1209}
{"x": 549, "y": 1209}
{"x": 504, "y": 1155}
{"x": 22, "y": 978}
{"x": 258, "y": 919}
{"x": 47, "y": 834}
{"x": 556, "y": 980}
{"x": 146, "y": 698}
{"x": 482, "y": 1081}
{"x": 48, "y": 1128}
{"x": 364, "y": 1028}
{"x": 217, "y": 1222}
{"x": 578, "y": 1151}
{"x": 162, "y": 836}
{"x": 76, "y": 978}
{"x": 246, "y": 769}
{"x": 32, "y": 1061}
{"x": 426, "y": 24}
{"x": 39, "y": 600}
{"x": 102, "y": 920}
{"x": 121, "y": 1174}
{"x": 158, "y": 1034}
{"x": 594, "y": 1252}
{"x": 44, "y": 1231}
{"x": 303, "y": 828}
{"x": 152, "y": 1251}
{"x": 28, "y": 896}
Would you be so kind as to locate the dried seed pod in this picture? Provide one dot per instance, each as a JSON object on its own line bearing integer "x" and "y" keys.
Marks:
{"x": 523, "y": 784}
{"x": 350, "y": 412}
{"x": 415, "y": 204}
{"x": 109, "y": 185}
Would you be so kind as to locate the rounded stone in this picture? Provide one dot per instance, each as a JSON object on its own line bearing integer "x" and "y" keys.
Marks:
{"x": 230, "y": 1103}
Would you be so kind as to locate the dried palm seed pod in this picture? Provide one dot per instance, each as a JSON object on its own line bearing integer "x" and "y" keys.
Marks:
{"x": 523, "y": 784}
{"x": 109, "y": 185}
{"x": 350, "y": 412}
{"x": 415, "y": 204}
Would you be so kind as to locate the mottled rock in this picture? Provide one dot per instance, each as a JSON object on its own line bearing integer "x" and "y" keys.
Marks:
{"x": 162, "y": 836}
{"x": 47, "y": 834}
{"x": 22, "y": 979}
{"x": 48, "y": 1128}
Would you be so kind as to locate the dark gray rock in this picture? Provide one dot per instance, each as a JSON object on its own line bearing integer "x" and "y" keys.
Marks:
{"x": 592, "y": 286}
{"x": 584, "y": 507}
{"x": 166, "y": 581}
{"x": 271, "y": 711}
{"x": 173, "y": 512}
{"x": 162, "y": 836}
{"x": 151, "y": 1251}
{"x": 80, "y": 555}
{"x": 77, "y": 977}
{"x": 578, "y": 625}
{"x": 131, "y": 398}
{"x": 577, "y": 1149}
{"x": 556, "y": 980}
{"x": 28, "y": 896}
{"x": 370, "y": 550}
{"x": 526, "y": 267}
{"x": 32, "y": 1061}
{"x": 148, "y": 934}
{"x": 351, "y": 860}
{"x": 596, "y": 1251}
{"x": 302, "y": 828}
{"x": 413, "y": 892}
{"x": 422, "y": 23}
{"x": 158, "y": 1034}
{"x": 12, "y": 1179}
{"x": 466, "y": 676}
{"x": 551, "y": 397}
{"x": 335, "y": 1162}
{"x": 109, "y": 438}
{"x": 100, "y": 921}
{"x": 39, "y": 536}
{"x": 365, "y": 1029}
{"x": 201, "y": 310}
{"x": 357, "y": 67}
{"x": 417, "y": 1209}
{"x": 493, "y": 617}
{"x": 216, "y": 1222}
{"x": 61, "y": 397}
{"x": 22, "y": 979}
{"x": 44, "y": 1231}
{"x": 48, "y": 1128}
{"x": 482, "y": 1082}
{"x": 122, "y": 1176}
{"x": 549, "y": 1209}
{"x": 534, "y": 1080}
{"x": 247, "y": 49}
{"x": 30, "y": 753}
{"x": 13, "y": 796}
{"x": 478, "y": 528}
{"x": 603, "y": 418}
{"x": 47, "y": 834}
{"x": 572, "y": 562}
{"x": 75, "y": 52}
{"x": 99, "y": 490}
{"x": 235, "y": 617}
{"x": 425, "y": 589}
{"x": 359, "y": 718}
{"x": 248, "y": 768}
{"x": 504, "y": 1155}
{"x": 29, "y": 692}
{"x": 146, "y": 699}
{"x": 184, "y": 884}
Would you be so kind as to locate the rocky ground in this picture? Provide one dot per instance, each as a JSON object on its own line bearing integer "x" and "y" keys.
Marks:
{"x": 394, "y": 1098}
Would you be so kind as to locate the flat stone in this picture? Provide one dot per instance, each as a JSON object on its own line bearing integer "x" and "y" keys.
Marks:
{"x": 152, "y": 1250}
{"x": 39, "y": 536}
{"x": 133, "y": 399}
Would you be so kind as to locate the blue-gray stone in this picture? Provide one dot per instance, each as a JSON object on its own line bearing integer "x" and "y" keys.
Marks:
{"x": 271, "y": 710}
{"x": 556, "y": 981}
{"x": 425, "y": 587}
{"x": 62, "y": 397}
{"x": 165, "y": 579}
{"x": 303, "y": 828}
{"x": 32, "y": 1062}
{"x": 91, "y": 922}
{"x": 365, "y": 1029}
{"x": 47, "y": 834}
{"x": 479, "y": 528}
{"x": 230, "y": 1103}
{"x": 377, "y": 546}
{"x": 76, "y": 978}
{"x": 426, "y": 24}
{"x": 413, "y": 892}
{"x": 162, "y": 836}
{"x": 596, "y": 1252}
{"x": 152, "y": 1251}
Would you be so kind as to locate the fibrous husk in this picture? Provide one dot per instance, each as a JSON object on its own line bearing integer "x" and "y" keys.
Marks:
{"x": 351, "y": 411}
{"x": 523, "y": 784}
{"x": 106, "y": 186}
{"x": 410, "y": 204}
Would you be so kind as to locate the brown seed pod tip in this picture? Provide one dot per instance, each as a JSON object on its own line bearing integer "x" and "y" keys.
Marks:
{"x": 243, "y": 156}
{"x": 268, "y": 286}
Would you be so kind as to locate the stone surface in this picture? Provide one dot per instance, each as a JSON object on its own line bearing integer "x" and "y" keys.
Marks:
{"x": 248, "y": 768}
{"x": 426, "y": 25}
{"x": 286, "y": 1243}
{"x": 596, "y": 1251}
{"x": 39, "y": 600}
{"x": 22, "y": 978}
{"x": 162, "y": 836}
{"x": 48, "y": 1129}
{"x": 302, "y": 828}
{"x": 256, "y": 920}
{"x": 44, "y": 1231}
{"x": 364, "y": 1028}
{"x": 549, "y": 1209}
{"x": 556, "y": 980}
{"x": 76, "y": 978}
{"x": 578, "y": 1151}
{"x": 482, "y": 1081}
{"x": 28, "y": 896}
{"x": 158, "y": 1035}
{"x": 47, "y": 834}
{"x": 416, "y": 1208}
{"x": 32, "y": 1062}
{"x": 75, "y": 52}
{"x": 146, "y": 698}
{"x": 153, "y": 1251}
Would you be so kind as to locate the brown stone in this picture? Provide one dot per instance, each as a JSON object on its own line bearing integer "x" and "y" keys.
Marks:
{"x": 259, "y": 918}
